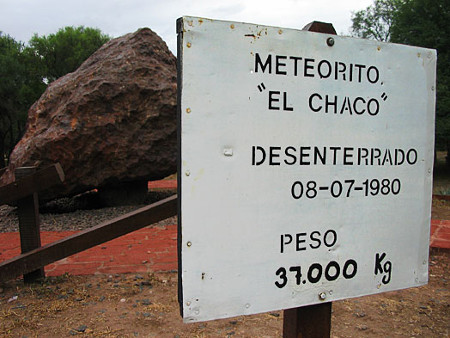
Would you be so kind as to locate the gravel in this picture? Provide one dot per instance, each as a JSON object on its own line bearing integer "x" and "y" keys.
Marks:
{"x": 70, "y": 214}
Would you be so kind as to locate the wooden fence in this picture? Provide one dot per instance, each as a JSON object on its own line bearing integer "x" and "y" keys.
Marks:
{"x": 24, "y": 190}
{"x": 308, "y": 321}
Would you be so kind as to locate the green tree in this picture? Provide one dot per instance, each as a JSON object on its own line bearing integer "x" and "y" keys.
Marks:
{"x": 375, "y": 21}
{"x": 26, "y": 70}
{"x": 65, "y": 51}
{"x": 21, "y": 84}
{"x": 425, "y": 23}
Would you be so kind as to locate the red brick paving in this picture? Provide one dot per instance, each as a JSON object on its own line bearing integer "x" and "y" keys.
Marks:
{"x": 146, "y": 250}
{"x": 162, "y": 184}
{"x": 440, "y": 234}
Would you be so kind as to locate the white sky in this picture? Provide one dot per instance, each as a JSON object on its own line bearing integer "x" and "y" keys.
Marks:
{"x": 22, "y": 18}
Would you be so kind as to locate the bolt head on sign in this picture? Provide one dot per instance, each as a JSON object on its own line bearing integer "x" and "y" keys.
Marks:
{"x": 310, "y": 167}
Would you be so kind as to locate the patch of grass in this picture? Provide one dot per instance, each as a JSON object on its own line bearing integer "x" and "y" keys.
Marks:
{"x": 442, "y": 191}
{"x": 441, "y": 175}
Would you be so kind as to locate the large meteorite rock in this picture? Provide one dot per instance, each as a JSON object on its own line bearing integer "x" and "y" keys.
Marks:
{"x": 110, "y": 122}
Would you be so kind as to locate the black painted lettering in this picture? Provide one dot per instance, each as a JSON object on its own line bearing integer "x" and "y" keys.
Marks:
{"x": 330, "y": 238}
{"x": 259, "y": 63}
{"x": 378, "y": 259}
{"x": 292, "y": 156}
{"x": 381, "y": 268}
{"x": 314, "y": 273}
{"x": 315, "y": 109}
{"x": 340, "y": 69}
{"x": 296, "y": 60}
{"x": 399, "y": 156}
{"x": 373, "y": 74}
{"x": 273, "y": 154}
{"x": 359, "y": 68}
{"x": 309, "y": 65}
{"x": 355, "y": 108}
{"x": 387, "y": 269}
{"x": 373, "y": 107}
{"x": 273, "y": 99}
{"x": 411, "y": 156}
{"x": 281, "y": 272}
{"x": 299, "y": 240}
{"x": 297, "y": 190}
{"x": 279, "y": 64}
{"x": 337, "y": 269}
{"x": 350, "y": 264}
{"x": 348, "y": 155}
{"x": 320, "y": 156}
{"x": 324, "y": 74}
{"x": 330, "y": 103}
{"x": 363, "y": 154}
{"x": 286, "y": 239}
{"x": 262, "y": 153}
{"x": 346, "y": 106}
{"x": 387, "y": 157}
{"x": 285, "y": 106}
{"x": 304, "y": 154}
{"x": 335, "y": 151}
{"x": 298, "y": 273}
{"x": 315, "y": 238}
{"x": 375, "y": 154}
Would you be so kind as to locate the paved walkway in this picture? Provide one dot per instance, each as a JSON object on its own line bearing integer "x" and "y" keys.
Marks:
{"x": 162, "y": 184}
{"x": 440, "y": 234}
{"x": 146, "y": 250}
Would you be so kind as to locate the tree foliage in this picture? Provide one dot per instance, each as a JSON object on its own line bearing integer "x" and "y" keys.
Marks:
{"x": 26, "y": 70}
{"x": 423, "y": 23}
{"x": 65, "y": 51}
{"x": 21, "y": 84}
{"x": 375, "y": 21}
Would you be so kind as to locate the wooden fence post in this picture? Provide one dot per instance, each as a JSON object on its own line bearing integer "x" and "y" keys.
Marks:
{"x": 29, "y": 224}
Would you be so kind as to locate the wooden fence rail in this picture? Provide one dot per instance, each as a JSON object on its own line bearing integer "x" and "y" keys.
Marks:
{"x": 24, "y": 191}
{"x": 88, "y": 238}
{"x": 28, "y": 185}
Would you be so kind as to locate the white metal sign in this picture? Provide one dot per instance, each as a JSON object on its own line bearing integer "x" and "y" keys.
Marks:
{"x": 305, "y": 170}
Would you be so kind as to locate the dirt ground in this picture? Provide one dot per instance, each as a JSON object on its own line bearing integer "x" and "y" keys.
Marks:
{"x": 146, "y": 306}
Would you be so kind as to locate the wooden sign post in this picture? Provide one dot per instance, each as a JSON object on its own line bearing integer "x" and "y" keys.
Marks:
{"x": 313, "y": 321}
